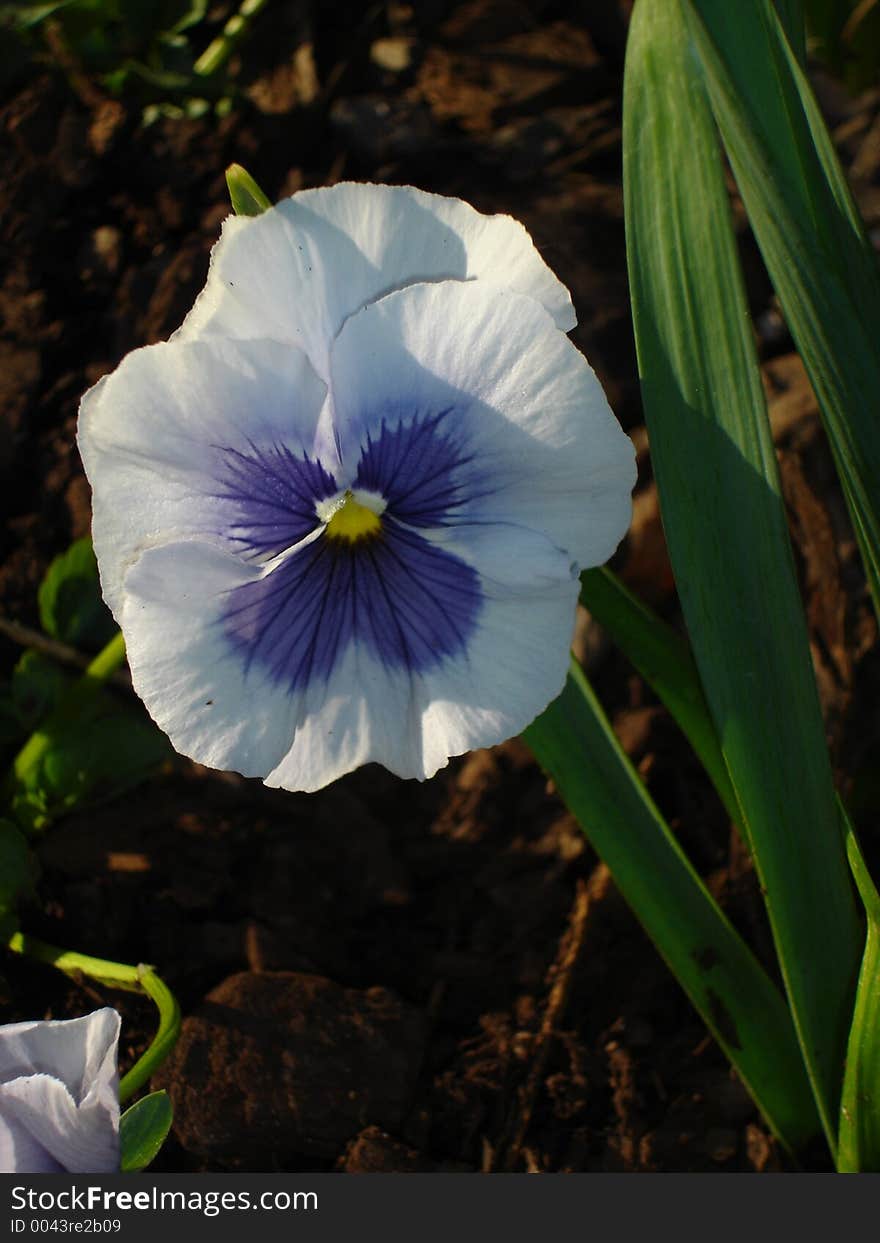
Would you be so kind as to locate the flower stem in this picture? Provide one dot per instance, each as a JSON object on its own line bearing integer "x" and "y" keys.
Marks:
{"x": 218, "y": 52}
{"x": 139, "y": 979}
{"x": 64, "y": 653}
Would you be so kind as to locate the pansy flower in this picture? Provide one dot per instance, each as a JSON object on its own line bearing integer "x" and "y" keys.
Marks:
{"x": 59, "y": 1096}
{"x": 340, "y": 515}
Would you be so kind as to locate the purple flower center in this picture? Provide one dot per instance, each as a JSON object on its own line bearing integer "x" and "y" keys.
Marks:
{"x": 408, "y": 601}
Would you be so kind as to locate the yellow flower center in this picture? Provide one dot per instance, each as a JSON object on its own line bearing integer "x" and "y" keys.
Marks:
{"x": 353, "y": 521}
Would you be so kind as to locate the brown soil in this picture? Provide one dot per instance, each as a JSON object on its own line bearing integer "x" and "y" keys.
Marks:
{"x": 390, "y": 975}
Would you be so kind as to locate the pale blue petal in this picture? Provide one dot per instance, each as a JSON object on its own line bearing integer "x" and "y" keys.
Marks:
{"x": 364, "y": 712}
{"x": 165, "y": 438}
{"x": 80, "y": 1052}
{"x": 20, "y": 1153}
{"x": 519, "y": 654}
{"x": 82, "y": 1139}
{"x": 535, "y": 443}
{"x": 297, "y": 271}
{"x": 216, "y": 706}
{"x": 514, "y": 663}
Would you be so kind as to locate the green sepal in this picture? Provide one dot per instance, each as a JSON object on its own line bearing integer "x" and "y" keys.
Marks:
{"x": 245, "y": 195}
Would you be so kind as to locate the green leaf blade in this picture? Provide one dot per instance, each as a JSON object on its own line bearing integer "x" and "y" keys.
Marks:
{"x": 17, "y": 870}
{"x": 726, "y": 529}
{"x": 665, "y": 661}
{"x": 858, "y": 1147}
{"x": 811, "y": 236}
{"x": 91, "y": 745}
{"x": 143, "y": 1129}
{"x": 70, "y": 602}
{"x": 573, "y": 741}
{"x": 791, "y": 14}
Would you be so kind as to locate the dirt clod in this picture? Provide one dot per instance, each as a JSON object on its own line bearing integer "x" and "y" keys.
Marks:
{"x": 280, "y": 1063}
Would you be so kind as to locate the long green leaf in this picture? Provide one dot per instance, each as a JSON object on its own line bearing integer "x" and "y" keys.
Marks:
{"x": 573, "y": 741}
{"x": 791, "y": 14}
{"x": 665, "y": 661}
{"x": 726, "y": 529}
{"x": 811, "y": 236}
{"x": 859, "y": 1139}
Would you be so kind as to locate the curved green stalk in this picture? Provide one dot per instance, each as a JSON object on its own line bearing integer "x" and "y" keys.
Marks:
{"x": 139, "y": 979}
{"x": 217, "y": 53}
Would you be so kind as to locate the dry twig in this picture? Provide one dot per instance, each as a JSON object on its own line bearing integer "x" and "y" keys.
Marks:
{"x": 510, "y": 1152}
{"x": 24, "y": 636}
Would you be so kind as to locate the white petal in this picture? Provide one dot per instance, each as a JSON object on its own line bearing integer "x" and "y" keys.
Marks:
{"x": 82, "y": 1140}
{"x": 101, "y": 1075}
{"x": 514, "y": 665}
{"x": 547, "y": 451}
{"x": 299, "y": 270}
{"x": 80, "y": 1052}
{"x": 366, "y": 713}
{"x": 148, "y": 435}
{"x": 218, "y": 713}
{"x": 509, "y": 556}
{"x": 518, "y": 658}
{"x": 192, "y": 680}
{"x": 196, "y": 687}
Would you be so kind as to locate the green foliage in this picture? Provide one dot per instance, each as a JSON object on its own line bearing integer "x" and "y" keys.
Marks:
{"x": 859, "y": 1136}
{"x": 575, "y": 744}
{"x": 166, "y": 1034}
{"x": 143, "y": 1129}
{"x": 725, "y": 521}
{"x": 36, "y": 686}
{"x": 89, "y": 749}
{"x": 86, "y": 742}
{"x": 666, "y": 662}
{"x": 791, "y": 15}
{"x": 71, "y": 611}
{"x": 820, "y": 260}
{"x": 845, "y": 34}
{"x": 151, "y": 51}
{"x": 71, "y": 606}
{"x": 17, "y": 869}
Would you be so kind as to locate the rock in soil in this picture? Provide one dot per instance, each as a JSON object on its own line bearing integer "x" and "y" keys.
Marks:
{"x": 278, "y": 1064}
